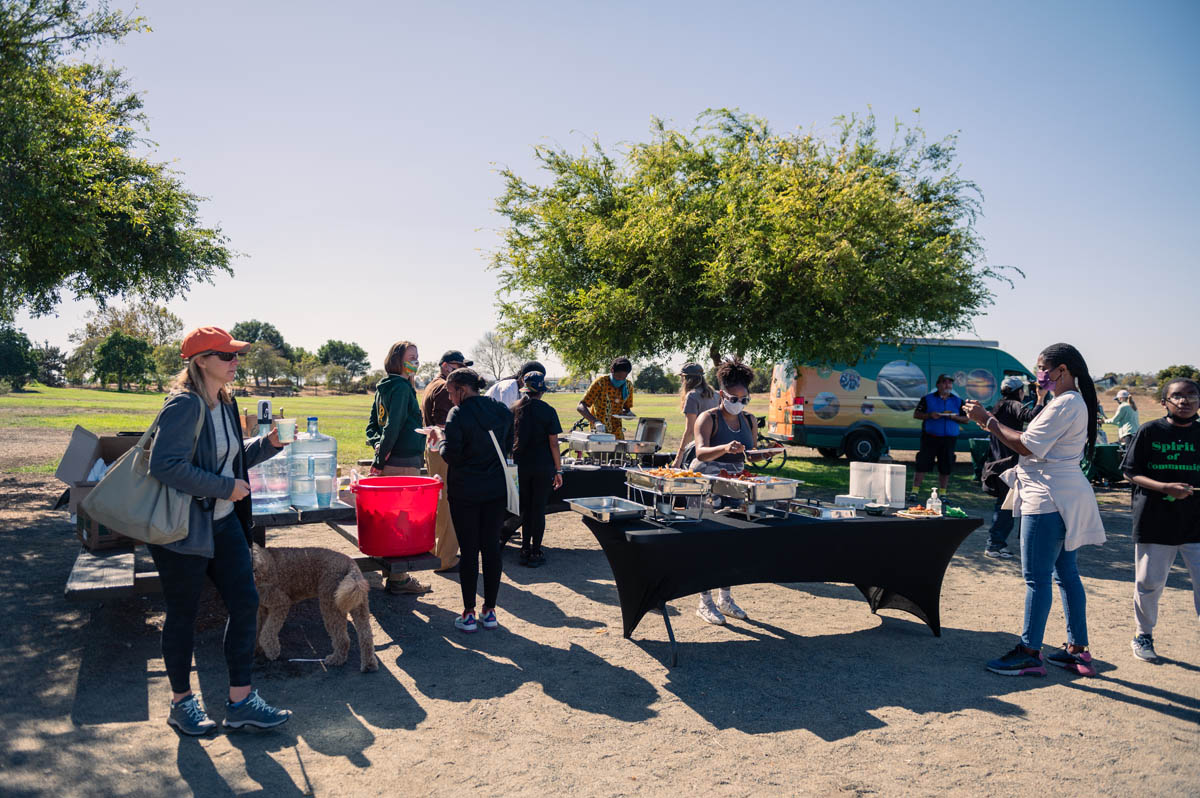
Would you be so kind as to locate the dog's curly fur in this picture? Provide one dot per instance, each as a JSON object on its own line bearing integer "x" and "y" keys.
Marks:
{"x": 285, "y": 576}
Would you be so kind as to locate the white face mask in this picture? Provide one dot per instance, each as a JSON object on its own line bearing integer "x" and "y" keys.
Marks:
{"x": 731, "y": 406}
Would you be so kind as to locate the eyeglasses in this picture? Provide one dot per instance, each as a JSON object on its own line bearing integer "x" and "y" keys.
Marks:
{"x": 1180, "y": 398}
{"x": 745, "y": 400}
{"x": 225, "y": 356}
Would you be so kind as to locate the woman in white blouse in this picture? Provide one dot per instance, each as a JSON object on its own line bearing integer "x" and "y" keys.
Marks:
{"x": 1057, "y": 508}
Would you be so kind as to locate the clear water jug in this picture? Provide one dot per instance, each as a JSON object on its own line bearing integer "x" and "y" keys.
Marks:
{"x": 269, "y": 483}
{"x": 312, "y": 468}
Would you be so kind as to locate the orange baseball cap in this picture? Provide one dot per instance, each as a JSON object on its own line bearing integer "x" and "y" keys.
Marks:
{"x": 209, "y": 339}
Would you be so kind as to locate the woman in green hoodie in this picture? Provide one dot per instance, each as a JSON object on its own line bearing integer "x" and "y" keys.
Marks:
{"x": 399, "y": 448}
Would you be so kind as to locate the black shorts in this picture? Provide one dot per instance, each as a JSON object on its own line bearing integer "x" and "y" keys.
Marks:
{"x": 936, "y": 447}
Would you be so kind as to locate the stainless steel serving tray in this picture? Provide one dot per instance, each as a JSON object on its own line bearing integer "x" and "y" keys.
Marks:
{"x": 667, "y": 486}
{"x": 607, "y": 508}
{"x": 777, "y": 489}
{"x": 637, "y": 447}
{"x": 582, "y": 443}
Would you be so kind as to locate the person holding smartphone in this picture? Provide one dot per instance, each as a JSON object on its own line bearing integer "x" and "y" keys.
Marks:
{"x": 940, "y": 413}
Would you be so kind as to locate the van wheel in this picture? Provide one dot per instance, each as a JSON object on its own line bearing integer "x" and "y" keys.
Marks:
{"x": 829, "y": 452}
{"x": 863, "y": 446}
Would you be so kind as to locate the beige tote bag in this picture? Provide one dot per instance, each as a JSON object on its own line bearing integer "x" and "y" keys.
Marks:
{"x": 129, "y": 500}
{"x": 510, "y": 479}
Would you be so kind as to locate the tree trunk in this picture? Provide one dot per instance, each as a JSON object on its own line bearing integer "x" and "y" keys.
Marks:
{"x": 715, "y": 354}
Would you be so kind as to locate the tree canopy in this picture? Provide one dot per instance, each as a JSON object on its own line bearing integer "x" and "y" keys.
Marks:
{"x": 253, "y": 331}
{"x": 348, "y": 355}
{"x": 79, "y": 210}
{"x": 17, "y": 361}
{"x": 123, "y": 357}
{"x": 142, "y": 318}
{"x": 733, "y": 239}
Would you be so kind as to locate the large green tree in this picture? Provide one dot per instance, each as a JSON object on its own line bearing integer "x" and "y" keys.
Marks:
{"x": 79, "y": 210}
{"x": 348, "y": 355}
{"x": 253, "y": 331}
{"x": 733, "y": 239}
{"x": 51, "y": 364}
{"x": 142, "y": 318}
{"x": 17, "y": 361}
{"x": 122, "y": 357}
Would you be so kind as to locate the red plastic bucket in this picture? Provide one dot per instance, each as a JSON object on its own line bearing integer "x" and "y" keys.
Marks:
{"x": 396, "y": 515}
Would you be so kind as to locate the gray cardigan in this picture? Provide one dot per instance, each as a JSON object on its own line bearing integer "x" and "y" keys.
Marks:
{"x": 172, "y": 463}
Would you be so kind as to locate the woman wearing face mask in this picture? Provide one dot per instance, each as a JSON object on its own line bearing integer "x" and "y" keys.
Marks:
{"x": 1057, "y": 508}
{"x": 723, "y": 434}
{"x": 391, "y": 432}
{"x": 608, "y": 396}
{"x": 476, "y": 486}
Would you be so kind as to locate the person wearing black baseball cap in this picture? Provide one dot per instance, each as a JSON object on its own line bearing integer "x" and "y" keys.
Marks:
{"x": 609, "y": 396}
{"x": 696, "y": 396}
{"x": 435, "y": 406}
{"x": 508, "y": 390}
{"x": 539, "y": 471}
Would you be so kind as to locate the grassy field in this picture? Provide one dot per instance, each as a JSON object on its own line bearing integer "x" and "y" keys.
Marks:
{"x": 106, "y": 412}
{"x": 345, "y": 418}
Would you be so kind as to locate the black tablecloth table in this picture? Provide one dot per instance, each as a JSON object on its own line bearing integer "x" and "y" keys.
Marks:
{"x": 579, "y": 484}
{"x": 896, "y": 563}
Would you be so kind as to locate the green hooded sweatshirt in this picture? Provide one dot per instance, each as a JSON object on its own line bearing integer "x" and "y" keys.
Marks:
{"x": 395, "y": 415}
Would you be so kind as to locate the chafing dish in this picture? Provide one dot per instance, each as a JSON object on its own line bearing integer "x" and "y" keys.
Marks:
{"x": 607, "y": 508}
{"x": 755, "y": 489}
{"x": 816, "y": 509}
{"x": 593, "y": 443}
{"x": 666, "y": 485}
{"x": 637, "y": 447}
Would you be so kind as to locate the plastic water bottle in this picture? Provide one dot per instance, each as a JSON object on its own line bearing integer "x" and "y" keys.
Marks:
{"x": 269, "y": 479}
{"x": 312, "y": 463}
{"x": 934, "y": 504}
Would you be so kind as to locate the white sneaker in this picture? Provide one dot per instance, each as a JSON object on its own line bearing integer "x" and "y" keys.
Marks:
{"x": 709, "y": 612}
{"x": 727, "y": 606}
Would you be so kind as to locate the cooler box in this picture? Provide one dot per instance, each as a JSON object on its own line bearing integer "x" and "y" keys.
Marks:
{"x": 882, "y": 483}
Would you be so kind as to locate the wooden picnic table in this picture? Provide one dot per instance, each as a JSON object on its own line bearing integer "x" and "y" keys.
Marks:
{"x": 113, "y": 574}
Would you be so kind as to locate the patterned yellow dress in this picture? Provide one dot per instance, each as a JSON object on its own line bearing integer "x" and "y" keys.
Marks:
{"x": 604, "y": 399}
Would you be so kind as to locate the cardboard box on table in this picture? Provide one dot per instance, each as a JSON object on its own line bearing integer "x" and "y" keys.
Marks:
{"x": 86, "y": 448}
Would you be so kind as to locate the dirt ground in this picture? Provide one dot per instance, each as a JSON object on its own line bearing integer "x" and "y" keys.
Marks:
{"x": 813, "y": 695}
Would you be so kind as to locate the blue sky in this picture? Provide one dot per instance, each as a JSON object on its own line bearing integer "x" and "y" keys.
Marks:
{"x": 349, "y": 151}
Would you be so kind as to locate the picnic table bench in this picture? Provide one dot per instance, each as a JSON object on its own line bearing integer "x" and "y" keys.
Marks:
{"x": 114, "y": 573}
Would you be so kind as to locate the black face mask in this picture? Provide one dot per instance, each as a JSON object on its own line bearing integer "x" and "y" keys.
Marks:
{"x": 1180, "y": 420}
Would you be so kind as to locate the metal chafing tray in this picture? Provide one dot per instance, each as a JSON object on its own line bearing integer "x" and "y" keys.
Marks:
{"x": 607, "y": 508}
{"x": 762, "y": 489}
{"x": 637, "y": 447}
{"x": 592, "y": 443}
{"x": 666, "y": 486}
{"x": 816, "y": 509}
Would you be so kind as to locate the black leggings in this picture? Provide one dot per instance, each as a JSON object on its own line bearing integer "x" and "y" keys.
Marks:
{"x": 477, "y": 525}
{"x": 182, "y": 577}
{"x": 536, "y": 487}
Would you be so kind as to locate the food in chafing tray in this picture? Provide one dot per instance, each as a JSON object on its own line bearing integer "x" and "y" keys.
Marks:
{"x": 918, "y": 511}
{"x": 672, "y": 473}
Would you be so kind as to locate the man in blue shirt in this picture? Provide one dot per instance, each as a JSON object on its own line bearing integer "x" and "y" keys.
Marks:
{"x": 941, "y": 414}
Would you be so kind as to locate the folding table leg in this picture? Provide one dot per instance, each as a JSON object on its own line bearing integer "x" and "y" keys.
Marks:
{"x": 662, "y": 607}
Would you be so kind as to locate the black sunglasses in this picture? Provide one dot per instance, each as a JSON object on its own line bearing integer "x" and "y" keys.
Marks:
{"x": 739, "y": 399}
{"x": 225, "y": 356}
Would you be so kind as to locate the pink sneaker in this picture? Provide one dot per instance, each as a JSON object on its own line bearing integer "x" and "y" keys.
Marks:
{"x": 1080, "y": 663}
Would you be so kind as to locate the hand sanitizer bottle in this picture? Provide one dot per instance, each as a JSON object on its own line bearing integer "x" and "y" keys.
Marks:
{"x": 934, "y": 504}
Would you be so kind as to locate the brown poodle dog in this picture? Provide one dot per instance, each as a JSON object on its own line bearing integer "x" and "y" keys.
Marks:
{"x": 287, "y": 575}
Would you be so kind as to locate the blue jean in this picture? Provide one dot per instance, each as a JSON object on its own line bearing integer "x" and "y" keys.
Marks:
{"x": 1002, "y": 527}
{"x": 1043, "y": 554}
{"x": 182, "y": 577}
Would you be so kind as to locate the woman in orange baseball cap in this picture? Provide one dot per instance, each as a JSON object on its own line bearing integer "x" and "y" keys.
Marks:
{"x": 213, "y": 467}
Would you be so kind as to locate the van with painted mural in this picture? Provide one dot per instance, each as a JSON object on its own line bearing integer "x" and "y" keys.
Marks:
{"x": 866, "y": 409}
